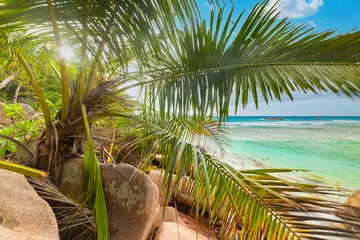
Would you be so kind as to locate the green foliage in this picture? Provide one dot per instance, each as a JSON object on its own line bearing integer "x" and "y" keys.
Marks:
{"x": 199, "y": 67}
{"x": 14, "y": 111}
{"x": 6, "y": 145}
{"x": 53, "y": 100}
{"x": 188, "y": 68}
{"x": 94, "y": 197}
{"x": 27, "y": 129}
{"x": 21, "y": 129}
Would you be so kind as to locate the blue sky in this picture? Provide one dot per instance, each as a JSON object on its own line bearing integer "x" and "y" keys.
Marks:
{"x": 342, "y": 15}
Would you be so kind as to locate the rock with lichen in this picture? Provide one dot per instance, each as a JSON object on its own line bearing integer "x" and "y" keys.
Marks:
{"x": 72, "y": 179}
{"x": 131, "y": 201}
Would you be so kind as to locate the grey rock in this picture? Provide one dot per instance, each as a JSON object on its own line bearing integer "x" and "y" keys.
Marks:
{"x": 22, "y": 156}
{"x": 131, "y": 200}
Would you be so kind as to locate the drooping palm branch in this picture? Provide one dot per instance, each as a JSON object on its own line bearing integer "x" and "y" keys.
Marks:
{"x": 199, "y": 67}
{"x": 75, "y": 220}
{"x": 189, "y": 66}
{"x": 252, "y": 204}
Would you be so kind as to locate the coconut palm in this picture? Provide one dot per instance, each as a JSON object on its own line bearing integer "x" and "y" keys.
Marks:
{"x": 187, "y": 69}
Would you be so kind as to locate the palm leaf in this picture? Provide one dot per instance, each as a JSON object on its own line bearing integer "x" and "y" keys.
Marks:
{"x": 94, "y": 197}
{"x": 256, "y": 204}
{"x": 200, "y": 66}
{"x": 113, "y": 26}
{"x": 75, "y": 220}
{"x": 252, "y": 204}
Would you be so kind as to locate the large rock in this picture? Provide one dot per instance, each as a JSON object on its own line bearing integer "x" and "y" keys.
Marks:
{"x": 353, "y": 204}
{"x": 131, "y": 200}
{"x": 22, "y": 156}
{"x": 23, "y": 214}
{"x": 158, "y": 178}
{"x": 169, "y": 215}
{"x": 173, "y": 231}
{"x": 72, "y": 179}
{"x": 131, "y": 197}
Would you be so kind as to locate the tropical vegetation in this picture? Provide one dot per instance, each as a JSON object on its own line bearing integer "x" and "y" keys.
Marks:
{"x": 185, "y": 69}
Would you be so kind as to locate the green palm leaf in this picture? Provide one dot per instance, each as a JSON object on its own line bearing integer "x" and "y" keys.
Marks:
{"x": 94, "y": 197}
{"x": 252, "y": 204}
{"x": 201, "y": 66}
{"x": 189, "y": 67}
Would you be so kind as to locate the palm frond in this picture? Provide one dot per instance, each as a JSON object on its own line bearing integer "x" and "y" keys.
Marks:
{"x": 252, "y": 204}
{"x": 205, "y": 134}
{"x": 110, "y": 26}
{"x": 200, "y": 66}
{"x": 75, "y": 221}
{"x": 256, "y": 205}
{"x": 94, "y": 193}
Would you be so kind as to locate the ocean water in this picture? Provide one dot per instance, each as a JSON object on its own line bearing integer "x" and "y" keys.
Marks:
{"x": 327, "y": 146}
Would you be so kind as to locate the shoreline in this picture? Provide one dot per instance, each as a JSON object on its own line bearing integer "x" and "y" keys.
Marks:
{"x": 299, "y": 176}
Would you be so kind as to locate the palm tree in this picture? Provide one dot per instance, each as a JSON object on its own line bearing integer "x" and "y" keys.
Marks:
{"x": 187, "y": 70}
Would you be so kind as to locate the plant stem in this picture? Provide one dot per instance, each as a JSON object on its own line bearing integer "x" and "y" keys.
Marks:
{"x": 19, "y": 144}
{"x": 81, "y": 79}
{"x": 15, "y": 98}
{"x": 39, "y": 94}
{"x": 27, "y": 171}
{"x": 86, "y": 122}
{"x": 91, "y": 76}
{"x": 63, "y": 72}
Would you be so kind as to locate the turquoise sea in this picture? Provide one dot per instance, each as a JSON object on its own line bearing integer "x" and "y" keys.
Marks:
{"x": 328, "y": 146}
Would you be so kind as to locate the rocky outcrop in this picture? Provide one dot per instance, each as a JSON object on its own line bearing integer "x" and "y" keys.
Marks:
{"x": 173, "y": 231}
{"x": 131, "y": 200}
{"x": 353, "y": 204}
{"x": 169, "y": 215}
{"x": 158, "y": 178}
{"x": 23, "y": 214}
{"x": 72, "y": 179}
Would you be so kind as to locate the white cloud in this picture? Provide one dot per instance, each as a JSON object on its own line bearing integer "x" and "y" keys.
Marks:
{"x": 297, "y": 8}
{"x": 311, "y": 23}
